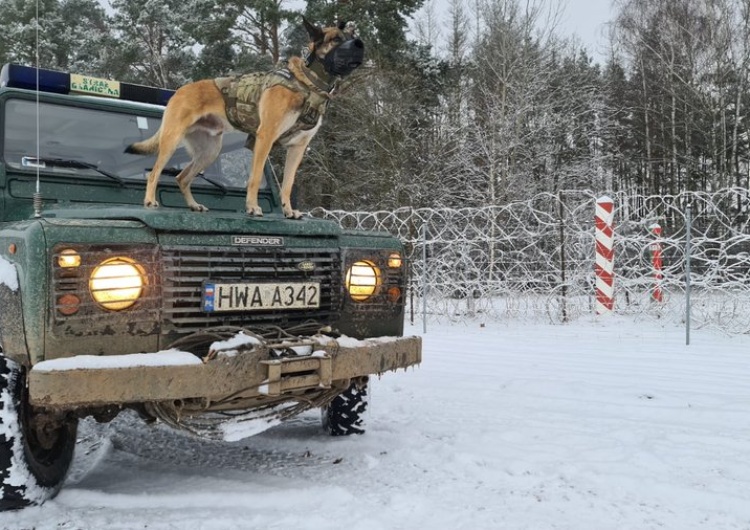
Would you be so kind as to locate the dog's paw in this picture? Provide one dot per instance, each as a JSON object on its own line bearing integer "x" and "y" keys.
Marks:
{"x": 150, "y": 204}
{"x": 293, "y": 214}
{"x": 198, "y": 208}
{"x": 255, "y": 211}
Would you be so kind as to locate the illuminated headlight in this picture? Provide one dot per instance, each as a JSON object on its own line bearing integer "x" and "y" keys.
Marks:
{"x": 68, "y": 259}
{"x": 394, "y": 260}
{"x": 363, "y": 280}
{"x": 117, "y": 283}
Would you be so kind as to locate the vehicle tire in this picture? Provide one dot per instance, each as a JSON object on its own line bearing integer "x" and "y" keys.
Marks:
{"x": 345, "y": 414}
{"x": 30, "y": 472}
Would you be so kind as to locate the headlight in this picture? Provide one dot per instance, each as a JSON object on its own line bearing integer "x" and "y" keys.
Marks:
{"x": 117, "y": 283}
{"x": 363, "y": 280}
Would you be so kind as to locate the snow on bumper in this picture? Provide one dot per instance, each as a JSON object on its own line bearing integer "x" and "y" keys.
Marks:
{"x": 87, "y": 380}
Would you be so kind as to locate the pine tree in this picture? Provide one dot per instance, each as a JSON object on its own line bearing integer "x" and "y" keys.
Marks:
{"x": 83, "y": 35}
{"x": 155, "y": 44}
{"x": 22, "y": 39}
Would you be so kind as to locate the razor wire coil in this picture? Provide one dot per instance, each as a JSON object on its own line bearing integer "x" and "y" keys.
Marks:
{"x": 534, "y": 258}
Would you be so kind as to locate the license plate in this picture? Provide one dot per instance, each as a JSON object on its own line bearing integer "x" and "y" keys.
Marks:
{"x": 260, "y": 296}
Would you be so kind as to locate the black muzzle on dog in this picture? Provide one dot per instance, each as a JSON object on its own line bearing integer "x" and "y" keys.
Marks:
{"x": 345, "y": 58}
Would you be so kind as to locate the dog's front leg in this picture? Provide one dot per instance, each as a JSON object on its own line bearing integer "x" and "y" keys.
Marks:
{"x": 278, "y": 109}
{"x": 260, "y": 153}
{"x": 271, "y": 111}
{"x": 294, "y": 154}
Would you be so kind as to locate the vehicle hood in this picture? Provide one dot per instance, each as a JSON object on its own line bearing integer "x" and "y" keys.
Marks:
{"x": 186, "y": 221}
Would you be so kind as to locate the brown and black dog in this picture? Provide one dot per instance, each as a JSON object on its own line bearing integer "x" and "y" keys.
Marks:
{"x": 285, "y": 107}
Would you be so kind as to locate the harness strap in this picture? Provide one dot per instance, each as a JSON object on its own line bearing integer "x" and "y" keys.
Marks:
{"x": 242, "y": 93}
{"x": 309, "y": 78}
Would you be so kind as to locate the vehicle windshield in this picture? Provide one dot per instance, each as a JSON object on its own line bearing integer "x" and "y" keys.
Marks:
{"x": 75, "y": 141}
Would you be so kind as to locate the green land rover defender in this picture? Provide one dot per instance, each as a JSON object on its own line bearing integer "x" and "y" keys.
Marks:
{"x": 216, "y": 323}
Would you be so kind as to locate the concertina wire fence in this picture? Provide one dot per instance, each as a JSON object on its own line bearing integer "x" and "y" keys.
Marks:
{"x": 534, "y": 258}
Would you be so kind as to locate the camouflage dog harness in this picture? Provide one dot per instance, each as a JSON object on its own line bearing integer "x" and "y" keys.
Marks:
{"x": 242, "y": 95}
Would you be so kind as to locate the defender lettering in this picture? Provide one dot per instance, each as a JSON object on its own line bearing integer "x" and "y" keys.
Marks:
{"x": 265, "y": 241}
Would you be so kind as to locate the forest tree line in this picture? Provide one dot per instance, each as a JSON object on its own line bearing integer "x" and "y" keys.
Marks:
{"x": 487, "y": 104}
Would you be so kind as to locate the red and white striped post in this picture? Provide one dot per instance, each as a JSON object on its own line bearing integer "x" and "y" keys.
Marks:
{"x": 656, "y": 263}
{"x": 605, "y": 256}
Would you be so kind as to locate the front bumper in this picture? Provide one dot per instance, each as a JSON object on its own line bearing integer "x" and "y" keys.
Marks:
{"x": 93, "y": 381}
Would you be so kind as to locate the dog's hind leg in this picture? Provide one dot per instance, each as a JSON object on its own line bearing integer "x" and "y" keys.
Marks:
{"x": 185, "y": 179}
{"x": 169, "y": 140}
{"x": 197, "y": 106}
{"x": 147, "y": 147}
{"x": 204, "y": 148}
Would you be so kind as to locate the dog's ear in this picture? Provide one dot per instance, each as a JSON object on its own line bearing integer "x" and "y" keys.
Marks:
{"x": 341, "y": 25}
{"x": 316, "y": 34}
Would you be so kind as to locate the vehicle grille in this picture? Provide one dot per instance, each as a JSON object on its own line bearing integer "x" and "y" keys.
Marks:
{"x": 185, "y": 269}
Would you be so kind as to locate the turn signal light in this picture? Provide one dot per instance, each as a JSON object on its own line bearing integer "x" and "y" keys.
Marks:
{"x": 394, "y": 294}
{"x": 68, "y": 304}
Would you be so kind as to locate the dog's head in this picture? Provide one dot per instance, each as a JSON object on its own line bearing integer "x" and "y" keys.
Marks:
{"x": 337, "y": 47}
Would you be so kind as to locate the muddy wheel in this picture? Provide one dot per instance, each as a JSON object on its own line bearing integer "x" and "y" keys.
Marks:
{"x": 33, "y": 464}
{"x": 345, "y": 414}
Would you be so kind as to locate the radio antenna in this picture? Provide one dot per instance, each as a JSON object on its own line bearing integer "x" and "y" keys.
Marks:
{"x": 37, "y": 200}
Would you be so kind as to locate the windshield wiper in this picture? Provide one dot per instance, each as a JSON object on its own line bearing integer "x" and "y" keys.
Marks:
{"x": 174, "y": 171}
{"x": 32, "y": 161}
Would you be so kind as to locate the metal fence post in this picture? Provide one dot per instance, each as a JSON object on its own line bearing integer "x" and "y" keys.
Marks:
{"x": 688, "y": 236}
{"x": 424, "y": 277}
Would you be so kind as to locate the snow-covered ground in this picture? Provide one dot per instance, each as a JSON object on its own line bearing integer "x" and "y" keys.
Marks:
{"x": 593, "y": 425}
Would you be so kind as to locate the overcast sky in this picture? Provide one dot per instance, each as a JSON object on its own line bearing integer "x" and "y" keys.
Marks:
{"x": 585, "y": 18}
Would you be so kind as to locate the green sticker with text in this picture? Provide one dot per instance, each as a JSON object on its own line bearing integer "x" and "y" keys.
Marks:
{"x": 94, "y": 86}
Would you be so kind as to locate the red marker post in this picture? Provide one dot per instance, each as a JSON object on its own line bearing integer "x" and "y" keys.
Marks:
{"x": 605, "y": 256}
{"x": 656, "y": 262}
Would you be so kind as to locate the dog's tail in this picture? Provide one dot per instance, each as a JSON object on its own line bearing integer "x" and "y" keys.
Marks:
{"x": 146, "y": 147}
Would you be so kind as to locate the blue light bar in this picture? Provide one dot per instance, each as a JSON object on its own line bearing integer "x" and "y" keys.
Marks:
{"x": 53, "y": 81}
{"x": 17, "y": 76}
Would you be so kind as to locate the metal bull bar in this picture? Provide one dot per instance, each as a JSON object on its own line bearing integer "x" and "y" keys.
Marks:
{"x": 256, "y": 368}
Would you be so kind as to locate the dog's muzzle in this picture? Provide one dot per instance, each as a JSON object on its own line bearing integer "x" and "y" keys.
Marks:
{"x": 344, "y": 59}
